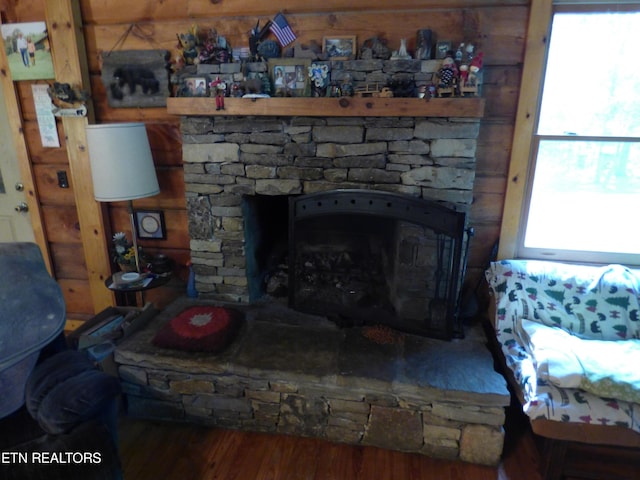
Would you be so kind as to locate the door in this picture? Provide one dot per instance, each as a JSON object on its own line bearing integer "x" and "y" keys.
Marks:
{"x": 15, "y": 223}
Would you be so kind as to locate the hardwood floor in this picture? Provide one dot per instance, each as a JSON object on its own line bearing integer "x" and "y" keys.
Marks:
{"x": 154, "y": 450}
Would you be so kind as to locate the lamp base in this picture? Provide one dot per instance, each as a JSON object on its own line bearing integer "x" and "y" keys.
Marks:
{"x": 134, "y": 236}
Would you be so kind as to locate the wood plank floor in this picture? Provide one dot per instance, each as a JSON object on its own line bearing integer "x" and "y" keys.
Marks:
{"x": 154, "y": 450}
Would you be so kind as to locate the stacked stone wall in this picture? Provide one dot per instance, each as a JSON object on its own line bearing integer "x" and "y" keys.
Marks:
{"x": 226, "y": 158}
{"x": 451, "y": 425}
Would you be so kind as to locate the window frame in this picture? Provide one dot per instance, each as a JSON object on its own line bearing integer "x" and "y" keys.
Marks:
{"x": 526, "y": 139}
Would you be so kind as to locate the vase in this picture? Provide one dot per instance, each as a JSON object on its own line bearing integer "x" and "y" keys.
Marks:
{"x": 126, "y": 267}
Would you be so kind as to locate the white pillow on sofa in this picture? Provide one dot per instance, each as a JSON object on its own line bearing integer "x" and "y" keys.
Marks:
{"x": 605, "y": 368}
{"x": 553, "y": 361}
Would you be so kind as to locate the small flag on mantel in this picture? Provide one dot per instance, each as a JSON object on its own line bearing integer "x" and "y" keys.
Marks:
{"x": 281, "y": 29}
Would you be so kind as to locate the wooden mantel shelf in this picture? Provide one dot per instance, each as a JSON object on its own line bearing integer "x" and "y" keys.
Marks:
{"x": 472, "y": 107}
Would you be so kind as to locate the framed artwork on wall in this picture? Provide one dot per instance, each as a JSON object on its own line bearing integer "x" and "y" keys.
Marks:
{"x": 150, "y": 224}
{"x": 290, "y": 77}
{"x": 136, "y": 78}
{"x": 28, "y": 50}
{"x": 343, "y": 47}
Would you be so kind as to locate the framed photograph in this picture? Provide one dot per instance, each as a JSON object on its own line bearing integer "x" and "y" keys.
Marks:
{"x": 442, "y": 48}
{"x": 136, "y": 78}
{"x": 28, "y": 50}
{"x": 340, "y": 47}
{"x": 194, "y": 86}
{"x": 290, "y": 76}
{"x": 150, "y": 224}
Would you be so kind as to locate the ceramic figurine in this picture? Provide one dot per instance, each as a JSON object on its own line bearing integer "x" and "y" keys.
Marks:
{"x": 401, "y": 53}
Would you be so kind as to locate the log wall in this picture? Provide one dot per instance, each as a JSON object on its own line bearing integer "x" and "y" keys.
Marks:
{"x": 498, "y": 27}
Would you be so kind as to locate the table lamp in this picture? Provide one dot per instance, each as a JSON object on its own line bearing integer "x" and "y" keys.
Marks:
{"x": 122, "y": 166}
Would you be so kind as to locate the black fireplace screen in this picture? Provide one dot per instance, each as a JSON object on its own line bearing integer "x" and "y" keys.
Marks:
{"x": 374, "y": 257}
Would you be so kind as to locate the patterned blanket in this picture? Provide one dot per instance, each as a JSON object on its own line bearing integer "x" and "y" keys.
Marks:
{"x": 576, "y": 303}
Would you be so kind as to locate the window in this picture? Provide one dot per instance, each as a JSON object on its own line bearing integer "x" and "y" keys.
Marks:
{"x": 584, "y": 194}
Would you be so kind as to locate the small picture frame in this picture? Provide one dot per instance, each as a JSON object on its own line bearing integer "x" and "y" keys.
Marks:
{"x": 442, "y": 48}
{"x": 194, "y": 86}
{"x": 150, "y": 224}
{"x": 290, "y": 77}
{"x": 343, "y": 47}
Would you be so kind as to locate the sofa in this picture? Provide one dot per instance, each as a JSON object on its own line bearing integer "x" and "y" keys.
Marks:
{"x": 58, "y": 411}
{"x": 569, "y": 338}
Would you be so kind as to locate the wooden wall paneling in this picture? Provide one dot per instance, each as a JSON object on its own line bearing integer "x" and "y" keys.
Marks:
{"x": 68, "y": 261}
{"x": 62, "y": 224}
{"x": 26, "y": 11}
{"x": 391, "y": 25}
{"x": 47, "y": 181}
{"x": 77, "y": 297}
{"x": 501, "y": 91}
{"x": 499, "y": 31}
{"x": 69, "y": 54}
{"x": 27, "y": 105}
{"x": 166, "y": 142}
{"x": 22, "y": 154}
{"x": 172, "y": 189}
{"x": 488, "y": 194}
{"x": 494, "y": 147}
{"x": 97, "y": 11}
{"x": 536, "y": 46}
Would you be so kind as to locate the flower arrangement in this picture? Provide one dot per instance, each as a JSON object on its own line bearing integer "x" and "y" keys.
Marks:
{"x": 123, "y": 251}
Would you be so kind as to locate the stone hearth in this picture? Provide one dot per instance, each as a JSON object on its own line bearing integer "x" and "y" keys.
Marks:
{"x": 298, "y": 374}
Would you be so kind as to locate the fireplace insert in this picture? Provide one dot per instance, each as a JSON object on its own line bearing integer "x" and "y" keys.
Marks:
{"x": 374, "y": 257}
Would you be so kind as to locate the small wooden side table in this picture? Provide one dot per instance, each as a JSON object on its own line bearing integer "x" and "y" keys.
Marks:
{"x": 133, "y": 294}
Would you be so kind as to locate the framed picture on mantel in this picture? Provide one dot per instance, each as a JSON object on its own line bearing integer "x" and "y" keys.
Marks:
{"x": 290, "y": 77}
{"x": 342, "y": 47}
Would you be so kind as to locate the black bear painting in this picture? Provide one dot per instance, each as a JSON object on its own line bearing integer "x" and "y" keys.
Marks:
{"x": 136, "y": 78}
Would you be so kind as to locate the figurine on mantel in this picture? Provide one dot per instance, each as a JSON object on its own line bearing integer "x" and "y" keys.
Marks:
{"x": 448, "y": 76}
{"x": 319, "y": 75}
{"x": 188, "y": 42}
{"x": 402, "y": 53}
{"x": 471, "y": 80}
{"x": 375, "y": 49}
{"x": 220, "y": 89}
{"x": 215, "y": 49}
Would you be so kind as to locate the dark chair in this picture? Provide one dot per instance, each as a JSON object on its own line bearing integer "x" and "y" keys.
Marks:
{"x": 58, "y": 412}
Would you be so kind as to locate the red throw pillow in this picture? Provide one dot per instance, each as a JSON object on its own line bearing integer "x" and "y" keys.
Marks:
{"x": 200, "y": 329}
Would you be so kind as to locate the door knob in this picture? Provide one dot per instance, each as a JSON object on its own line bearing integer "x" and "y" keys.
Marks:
{"x": 22, "y": 207}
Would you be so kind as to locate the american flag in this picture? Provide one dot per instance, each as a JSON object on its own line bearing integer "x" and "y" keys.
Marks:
{"x": 281, "y": 29}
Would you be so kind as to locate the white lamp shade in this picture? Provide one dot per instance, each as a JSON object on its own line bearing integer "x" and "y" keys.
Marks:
{"x": 121, "y": 162}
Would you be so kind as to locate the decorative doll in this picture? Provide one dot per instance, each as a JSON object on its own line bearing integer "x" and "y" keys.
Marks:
{"x": 220, "y": 88}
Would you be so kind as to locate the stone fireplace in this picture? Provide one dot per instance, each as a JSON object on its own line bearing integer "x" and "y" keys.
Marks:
{"x": 241, "y": 174}
{"x": 337, "y": 207}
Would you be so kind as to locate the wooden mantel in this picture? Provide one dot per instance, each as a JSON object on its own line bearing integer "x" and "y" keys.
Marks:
{"x": 472, "y": 107}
